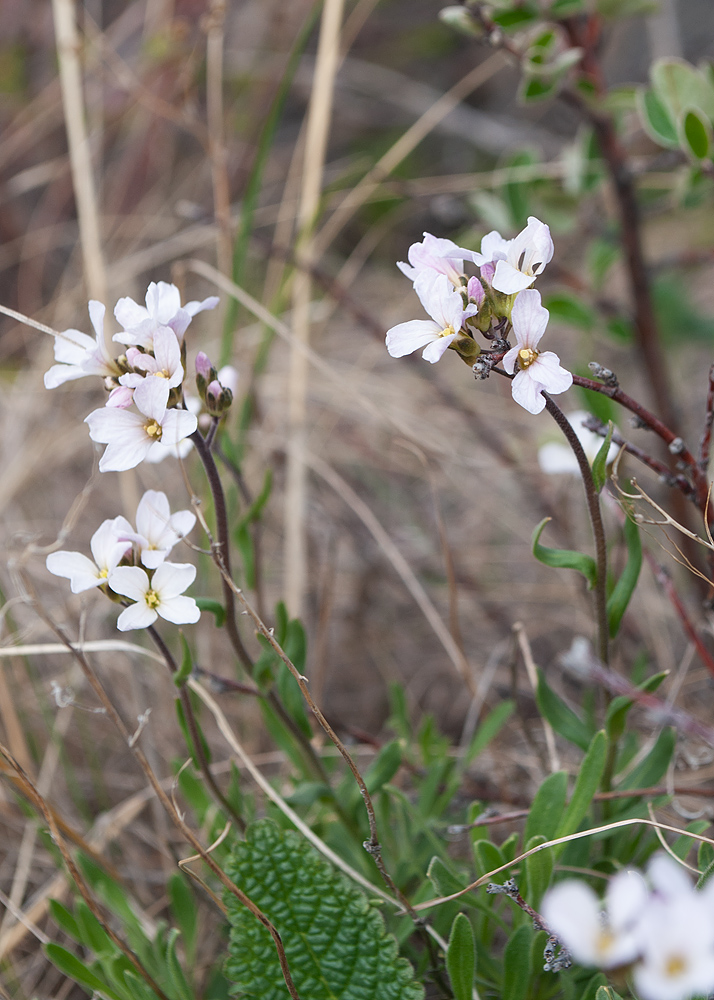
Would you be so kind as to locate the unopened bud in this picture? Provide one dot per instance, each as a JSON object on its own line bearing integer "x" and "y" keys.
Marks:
{"x": 218, "y": 398}
{"x": 205, "y": 373}
{"x": 460, "y": 20}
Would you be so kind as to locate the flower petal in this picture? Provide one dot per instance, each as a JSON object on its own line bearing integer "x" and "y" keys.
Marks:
{"x": 139, "y": 615}
{"x": 129, "y": 581}
{"x": 171, "y": 579}
{"x": 529, "y": 318}
{"x": 179, "y": 610}
{"x": 435, "y": 351}
{"x": 405, "y": 338}
{"x": 77, "y": 568}
{"x": 509, "y": 280}
{"x": 527, "y": 392}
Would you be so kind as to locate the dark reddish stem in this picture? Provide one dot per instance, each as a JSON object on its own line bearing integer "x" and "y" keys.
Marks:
{"x": 705, "y": 445}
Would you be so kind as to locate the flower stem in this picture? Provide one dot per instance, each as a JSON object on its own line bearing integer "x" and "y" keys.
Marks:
{"x": 593, "y": 503}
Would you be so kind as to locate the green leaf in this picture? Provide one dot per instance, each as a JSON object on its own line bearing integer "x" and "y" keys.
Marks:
{"x": 656, "y": 119}
{"x": 695, "y": 134}
{"x": 336, "y": 943}
{"x": 680, "y": 86}
{"x": 587, "y": 784}
{"x": 601, "y": 256}
{"x": 563, "y": 558}
{"x": 571, "y": 310}
{"x": 64, "y": 919}
{"x": 539, "y": 870}
{"x": 619, "y": 707}
{"x": 517, "y": 964}
{"x": 488, "y": 729}
{"x": 184, "y": 911}
{"x": 215, "y": 607}
{"x": 537, "y": 89}
{"x": 683, "y": 845}
{"x": 184, "y": 671}
{"x": 244, "y": 543}
{"x": 562, "y": 718}
{"x": 705, "y": 862}
{"x": 607, "y": 993}
{"x": 625, "y": 8}
{"x": 70, "y": 965}
{"x": 598, "y": 980}
{"x": 600, "y": 461}
{"x": 443, "y": 879}
{"x": 93, "y": 935}
{"x": 625, "y": 586}
{"x": 650, "y": 770}
{"x": 547, "y": 808}
{"x": 519, "y": 17}
{"x": 383, "y": 767}
{"x": 461, "y": 958}
{"x": 566, "y": 8}
{"x": 180, "y": 984}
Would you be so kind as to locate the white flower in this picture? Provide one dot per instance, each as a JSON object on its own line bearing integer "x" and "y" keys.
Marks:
{"x": 130, "y": 436}
{"x": 535, "y": 371}
{"x": 555, "y": 457}
{"x": 606, "y": 936}
{"x": 163, "y": 308}
{"x": 518, "y": 261}
{"x": 162, "y": 450}
{"x": 157, "y": 529}
{"x": 109, "y": 544}
{"x": 446, "y": 308}
{"x": 79, "y": 355}
{"x": 437, "y": 255}
{"x": 164, "y": 364}
{"x": 159, "y": 596}
{"x": 677, "y": 948}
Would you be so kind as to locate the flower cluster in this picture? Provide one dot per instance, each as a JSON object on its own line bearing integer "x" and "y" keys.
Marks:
{"x": 497, "y": 301}
{"x": 659, "y": 930}
{"x": 145, "y": 416}
{"x": 154, "y": 590}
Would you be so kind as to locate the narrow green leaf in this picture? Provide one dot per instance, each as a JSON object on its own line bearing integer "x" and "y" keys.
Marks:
{"x": 461, "y": 958}
{"x": 650, "y": 770}
{"x": 244, "y": 543}
{"x": 586, "y": 785}
{"x": 487, "y": 857}
{"x": 566, "y": 8}
{"x": 562, "y": 718}
{"x": 442, "y": 878}
{"x": 563, "y": 558}
{"x": 624, "y": 588}
{"x": 517, "y": 964}
{"x": 178, "y": 978}
{"x": 683, "y": 845}
{"x": 547, "y": 808}
{"x": 620, "y": 706}
{"x": 600, "y": 461}
{"x": 517, "y": 18}
{"x": 598, "y": 980}
{"x": 570, "y": 309}
{"x": 656, "y": 119}
{"x": 70, "y": 965}
{"x": 64, "y": 919}
{"x": 607, "y": 993}
{"x": 384, "y": 767}
{"x": 184, "y": 671}
{"x": 215, "y": 607}
{"x": 488, "y": 729}
{"x": 695, "y": 134}
{"x": 184, "y": 911}
{"x": 539, "y": 871}
{"x": 93, "y": 935}
{"x": 536, "y": 89}
{"x": 705, "y": 862}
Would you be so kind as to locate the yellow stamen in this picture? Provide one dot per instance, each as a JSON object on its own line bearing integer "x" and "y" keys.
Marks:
{"x": 104, "y": 573}
{"x": 526, "y": 357}
{"x": 447, "y": 331}
{"x": 152, "y": 599}
{"x": 153, "y": 429}
{"x": 675, "y": 966}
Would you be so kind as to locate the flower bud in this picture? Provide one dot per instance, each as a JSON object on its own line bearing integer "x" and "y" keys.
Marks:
{"x": 205, "y": 373}
{"x": 218, "y": 398}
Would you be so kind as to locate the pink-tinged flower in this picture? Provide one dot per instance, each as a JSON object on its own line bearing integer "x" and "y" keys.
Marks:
{"x": 79, "y": 355}
{"x": 161, "y": 450}
{"x": 122, "y": 397}
{"x": 446, "y": 308}
{"x": 109, "y": 545}
{"x": 164, "y": 364}
{"x": 163, "y": 308}
{"x": 518, "y": 261}
{"x": 436, "y": 255}
{"x": 157, "y": 529}
{"x": 606, "y": 935}
{"x": 475, "y": 292}
{"x": 130, "y": 436}
{"x": 536, "y": 371}
{"x": 160, "y": 595}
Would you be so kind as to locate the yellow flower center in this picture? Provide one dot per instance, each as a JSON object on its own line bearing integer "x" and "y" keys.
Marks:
{"x": 152, "y": 599}
{"x": 104, "y": 573}
{"x": 526, "y": 357}
{"x": 447, "y": 331}
{"x": 675, "y": 966}
{"x": 163, "y": 374}
{"x": 153, "y": 429}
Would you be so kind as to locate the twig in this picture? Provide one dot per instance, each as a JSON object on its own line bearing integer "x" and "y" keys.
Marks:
{"x": 705, "y": 444}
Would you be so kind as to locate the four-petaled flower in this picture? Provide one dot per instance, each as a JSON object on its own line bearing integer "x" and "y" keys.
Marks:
{"x": 163, "y": 308}
{"x": 79, "y": 355}
{"x": 157, "y": 529}
{"x": 448, "y": 314}
{"x": 109, "y": 545}
{"x": 164, "y": 364}
{"x": 536, "y": 371}
{"x": 438, "y": 256}
{"x": 518, "y": 261}
{"x": 160, "y": 595}
{"x": 130, "y": 436}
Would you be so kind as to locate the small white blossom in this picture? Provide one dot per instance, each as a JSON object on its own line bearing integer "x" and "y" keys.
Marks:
{"x": 535, "y": 370}
{"x": 555, "y": 457}
{"x": 605, "y": 936}
{"x": 164, "y": 364}
{"x": 436, "y": 255}
{"x": 446, "y": 308}
{"x": 109, "y": 545}
{"x": 130, "y": 436}
{"x": 518, "y": 261}
{"x": 160, "y": 595}
{"x": 157, "y": 529}
{"x": 79, "y": 355}
{"x": 163, "y": 308}
{"x": 677, "y": 959}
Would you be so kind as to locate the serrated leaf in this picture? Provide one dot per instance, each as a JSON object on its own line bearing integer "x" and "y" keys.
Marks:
{"x": 563, "y": 558}
{"x": 547, "y": 807}
{"x": 656, "y": 119}
{"x": 625, "y": 586}
{"x": 70, "y": 965}
{"x": 336, "y": 943}
{"x": 599, "y": 465}
{"x": 517, "y": 964}
{"x": 562, "y": 718}
{"x": 461, "y": 958}
{"x": 587, "y": 784}
{"x": 695, "y": 134}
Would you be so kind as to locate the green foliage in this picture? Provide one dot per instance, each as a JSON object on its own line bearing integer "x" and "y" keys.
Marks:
{"x": 517, "y": 963}
{"x": 336, "y": 943}
{"x": 547, "y": 807}
{"x": 625, "y": 586}
{"x": 567, "y": 308}
{"x": 563, "y": 558}
{"x": 678, "y": 109}
{"x": 562, "y": 718}
{"x": 461, "y": 958}
{"x": 587, "y": 783}
{"x": 620, "y": 706}
{"x": 599, "y": 466}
